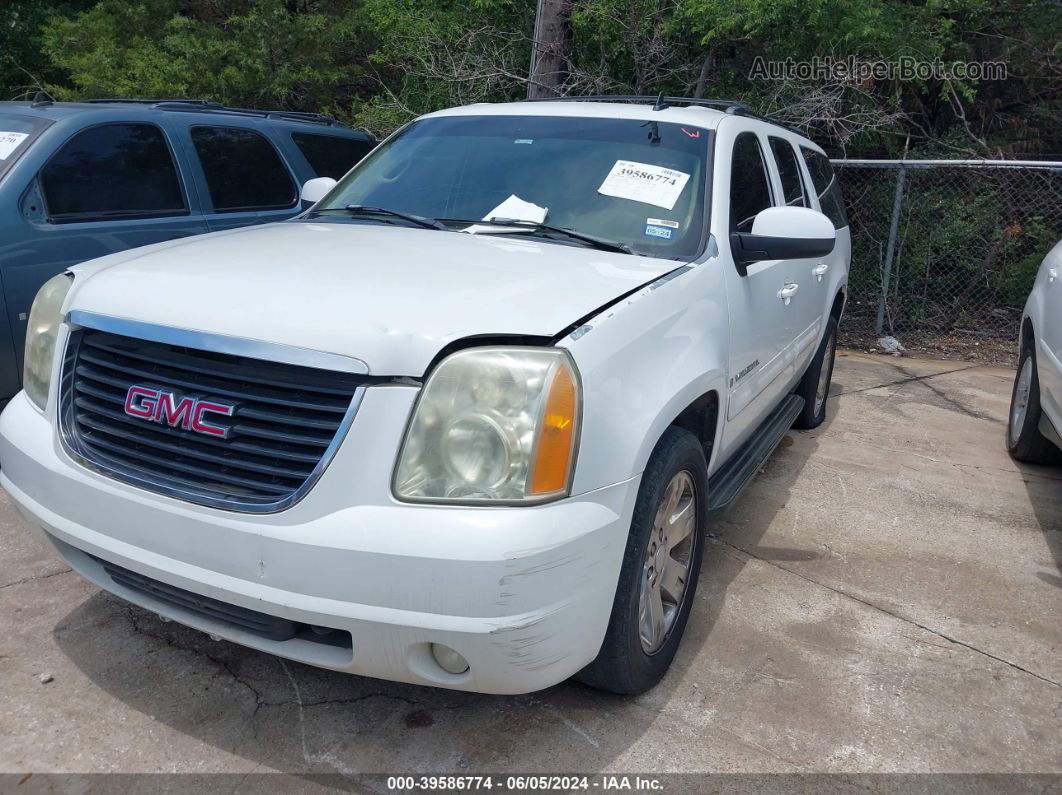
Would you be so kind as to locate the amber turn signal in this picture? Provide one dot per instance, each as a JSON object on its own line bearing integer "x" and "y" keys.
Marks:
{"x": 557, "y": 434}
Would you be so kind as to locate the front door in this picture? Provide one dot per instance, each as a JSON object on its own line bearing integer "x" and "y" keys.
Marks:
{"x": 764, "y": 303}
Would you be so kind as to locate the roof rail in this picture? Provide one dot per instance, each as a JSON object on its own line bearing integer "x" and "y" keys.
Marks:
{"x": 645, "y": 99}
{"x": 207, "y": 106}
{"x": 661, "y": 102}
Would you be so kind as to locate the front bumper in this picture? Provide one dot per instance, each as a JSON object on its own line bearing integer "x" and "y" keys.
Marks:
{"x": 523, "y": 594}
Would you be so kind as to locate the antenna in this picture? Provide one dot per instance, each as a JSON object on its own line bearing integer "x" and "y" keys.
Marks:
{"x": 660, "y": 104}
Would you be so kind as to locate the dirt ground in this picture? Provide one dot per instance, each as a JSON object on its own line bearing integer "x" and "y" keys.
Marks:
{"x": 955, "y": 346}
{"x": 886, "y": 597}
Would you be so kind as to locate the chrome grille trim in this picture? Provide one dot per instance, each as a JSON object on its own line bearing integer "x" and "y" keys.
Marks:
{"x": 218, "y": 343}
{"x": 96, "y": 433}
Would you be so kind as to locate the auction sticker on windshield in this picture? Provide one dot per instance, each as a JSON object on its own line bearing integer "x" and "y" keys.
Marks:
{"x": 642, "y": 182}
{"x": 9, "y": 141}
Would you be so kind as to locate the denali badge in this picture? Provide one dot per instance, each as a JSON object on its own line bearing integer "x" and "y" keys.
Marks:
{"x": 158, "y": 405}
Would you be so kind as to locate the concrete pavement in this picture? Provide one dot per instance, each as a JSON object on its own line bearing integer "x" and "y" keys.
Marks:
{"x": 885, "y": 597}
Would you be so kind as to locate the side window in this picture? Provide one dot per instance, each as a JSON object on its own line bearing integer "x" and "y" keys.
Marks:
{"x": 113, "y": 171}
{"x": 750, "y": 189}
{"x": 826, "y": 186}
{"x": 330, "y": 155}
{"x": 789, "y": 171}
{"x": 243, "y": 170}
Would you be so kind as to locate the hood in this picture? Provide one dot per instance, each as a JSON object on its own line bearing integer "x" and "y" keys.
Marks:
{"x": 390, "y": 296}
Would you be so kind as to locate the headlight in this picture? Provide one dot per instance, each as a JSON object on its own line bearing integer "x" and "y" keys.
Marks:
{"x": 44, "y": 318}
{"x": 493, "y": 425}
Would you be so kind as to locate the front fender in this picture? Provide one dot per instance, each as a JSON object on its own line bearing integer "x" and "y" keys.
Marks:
{"x": 642, "y": 361}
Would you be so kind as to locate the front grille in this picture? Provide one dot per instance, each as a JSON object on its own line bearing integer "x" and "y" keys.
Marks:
{"x": 261, "y": 624}
{"x": 284, "y": 427}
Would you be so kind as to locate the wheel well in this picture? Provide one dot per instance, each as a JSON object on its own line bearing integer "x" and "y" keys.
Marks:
{"x": 1026, "y": 334}
{"x": 838, "y": 306}
{"x": 700, "y": 419}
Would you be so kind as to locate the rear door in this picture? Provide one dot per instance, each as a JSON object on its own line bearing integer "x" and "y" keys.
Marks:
{"x": 107, "y": 188}
{"x": 826, "y": 192}
{"x": 246, "y": 179}
{"x": 1049, "y": 353}
{"x": 812, "y": 301}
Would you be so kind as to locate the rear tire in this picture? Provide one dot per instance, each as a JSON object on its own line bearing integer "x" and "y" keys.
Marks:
{"x": 1024, "y": 441}
{"x": 648, "y": 617}
{"x": 814, "y": 387}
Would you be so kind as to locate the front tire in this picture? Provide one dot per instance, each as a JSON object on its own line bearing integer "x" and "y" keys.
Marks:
{"x": 661, "y": 566}
{"x": 1024, "y": 441}
{"x": 814, "y": 387}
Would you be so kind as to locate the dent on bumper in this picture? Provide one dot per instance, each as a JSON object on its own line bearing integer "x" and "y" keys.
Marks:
{"x": 524, "y": 594}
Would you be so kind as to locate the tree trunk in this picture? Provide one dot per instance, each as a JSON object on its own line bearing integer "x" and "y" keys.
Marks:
{"x": 706, "y": 68}
{"x": 552, "y": 48}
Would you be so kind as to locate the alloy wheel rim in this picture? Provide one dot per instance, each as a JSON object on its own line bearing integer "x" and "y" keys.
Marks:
{"x": 666, "y": 566}
{"x": 824, "y": 375}
{"x": 1020, "y": 406}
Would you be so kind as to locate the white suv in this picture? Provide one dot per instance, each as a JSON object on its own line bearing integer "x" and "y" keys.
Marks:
{"x": 1034, "y": 434}
{"x": 465, "y": 421}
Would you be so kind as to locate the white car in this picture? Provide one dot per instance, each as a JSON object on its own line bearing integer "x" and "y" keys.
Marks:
{"x": 465, "y": 421}
{"x": 1034, "y": 434}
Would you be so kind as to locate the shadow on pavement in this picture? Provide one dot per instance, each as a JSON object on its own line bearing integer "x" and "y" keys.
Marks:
{"x": 1044, "y": 488}
{"x": 308, "y": 721}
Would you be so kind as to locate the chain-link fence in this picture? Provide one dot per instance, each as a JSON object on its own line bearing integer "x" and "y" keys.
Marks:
{"x": 944, "y": 252}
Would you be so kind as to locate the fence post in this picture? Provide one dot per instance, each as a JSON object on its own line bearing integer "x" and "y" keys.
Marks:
{"x": 890, "y": 250}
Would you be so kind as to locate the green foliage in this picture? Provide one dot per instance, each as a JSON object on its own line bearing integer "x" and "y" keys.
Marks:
{"x": 441, "y": 53}
{"x": 970, "y": 242}
{"x": 255, "y": 52}
{"x": 23, "y": 65}
{"x": 379, "y": 62}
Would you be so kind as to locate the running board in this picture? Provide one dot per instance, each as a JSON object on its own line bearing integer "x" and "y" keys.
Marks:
{"x": 726, "y": 484}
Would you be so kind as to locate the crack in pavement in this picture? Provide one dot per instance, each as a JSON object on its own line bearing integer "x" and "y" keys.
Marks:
{"x": 886, "y": 611}
{"x": 132, "y": 611}
{"x": 906, "y": 380}
{"x": 25, "y": 580}
{"x": 961, "y": 408}
{"x": 910, "y": 378}
{"x": 135, "y": 617}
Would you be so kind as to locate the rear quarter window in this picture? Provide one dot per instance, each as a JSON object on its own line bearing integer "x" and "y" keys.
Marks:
{"x": 330, "y": 155}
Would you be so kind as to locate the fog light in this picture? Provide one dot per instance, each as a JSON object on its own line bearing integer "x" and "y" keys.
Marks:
{"x": 448, "y": 659}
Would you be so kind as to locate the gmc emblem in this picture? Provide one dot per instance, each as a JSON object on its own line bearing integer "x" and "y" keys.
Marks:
{"x": 158, "y": 405}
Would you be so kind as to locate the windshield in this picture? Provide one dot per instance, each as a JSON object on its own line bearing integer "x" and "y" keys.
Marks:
{"x": 16, "y": 134}
{"x": 637, "y": 183}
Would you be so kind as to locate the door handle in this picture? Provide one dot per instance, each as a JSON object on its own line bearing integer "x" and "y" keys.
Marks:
{"x": 787, "y": 292}
{"x": 820, "y": 270}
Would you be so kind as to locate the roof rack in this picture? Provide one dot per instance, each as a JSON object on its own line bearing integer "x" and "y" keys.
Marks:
{"x": 661, "y": 102}
{"x": 207, "y": 106}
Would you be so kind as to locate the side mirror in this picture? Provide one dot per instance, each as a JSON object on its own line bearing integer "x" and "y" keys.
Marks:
{"x": 315, "y": 190}
{"x": 784, "y": 233}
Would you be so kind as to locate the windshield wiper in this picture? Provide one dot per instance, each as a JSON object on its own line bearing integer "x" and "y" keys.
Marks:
{"x": 534, "y": 226}
{"x": 364, "y": 209}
